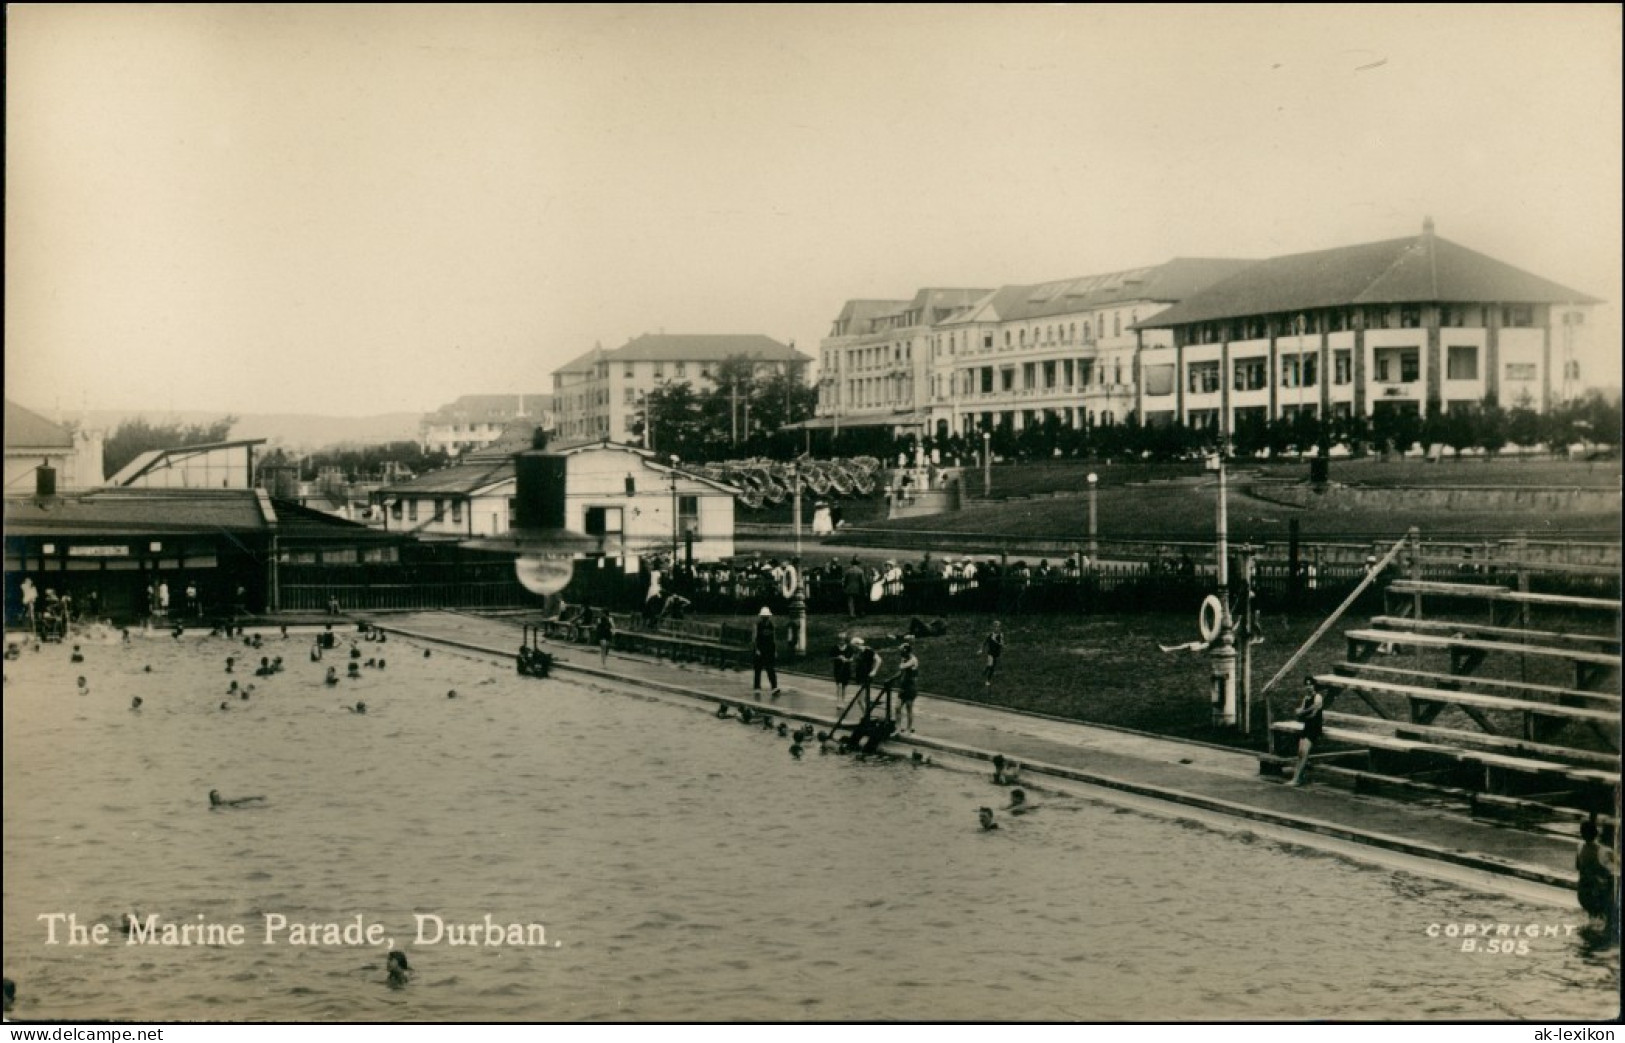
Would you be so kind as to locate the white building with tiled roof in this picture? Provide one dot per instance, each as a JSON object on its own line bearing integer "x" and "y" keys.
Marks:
{"x": 32, "y": 440}
{"x": 474, "y": 421}
{"x": 598, "y": 395}
{"x": 1417, "y": 323}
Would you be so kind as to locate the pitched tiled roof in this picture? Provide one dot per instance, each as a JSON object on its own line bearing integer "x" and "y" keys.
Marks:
{"x": 1421, "y": 268}
{"x": 857, "y": 314}
{"x": 26, "y": 429}
{"x": 461, "y": 479}
{"x": 703, "y": 347}
{"x": 116, "y": 511}
{"x": 483, "y": 409}
{"x": 1162, "y": 283}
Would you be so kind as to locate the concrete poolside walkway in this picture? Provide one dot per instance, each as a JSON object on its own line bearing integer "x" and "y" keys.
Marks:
{"x": 1194, "y": 775}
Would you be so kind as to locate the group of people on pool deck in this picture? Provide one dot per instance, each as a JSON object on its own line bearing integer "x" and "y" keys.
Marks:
{"x": 855, "y": 662}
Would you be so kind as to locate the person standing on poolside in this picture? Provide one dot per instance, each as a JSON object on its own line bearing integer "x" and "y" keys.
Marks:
{"x": 1311, "y": 713}
{"x": 766, "y": 653}
{"x": 992, "y": 649}
{"x": 604, "y": 634}
{"x": 908, "y": 683}
{"x": 865, "y": 664}
{"x": 841, "y": 662}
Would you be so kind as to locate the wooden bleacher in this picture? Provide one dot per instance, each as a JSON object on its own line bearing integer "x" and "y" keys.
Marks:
{"x": 719, "y": 644}
{"x": 1476, "y": 713}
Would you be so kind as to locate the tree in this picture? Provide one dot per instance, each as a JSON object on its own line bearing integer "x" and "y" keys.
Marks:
{"x": 1492, "y": 427}
{"x": 136, "y": 436}
{"x": 676, "y": 421}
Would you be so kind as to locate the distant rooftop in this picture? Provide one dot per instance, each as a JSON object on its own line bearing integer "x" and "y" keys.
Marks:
{"x": 26, "y": 429}
{"x": 1420, "y": 268}
{"x": 490, "y": 409}
{"x": 688, "y": 347}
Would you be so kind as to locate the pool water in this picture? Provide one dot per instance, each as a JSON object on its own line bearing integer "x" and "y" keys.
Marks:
{"x": 684, "y": 868}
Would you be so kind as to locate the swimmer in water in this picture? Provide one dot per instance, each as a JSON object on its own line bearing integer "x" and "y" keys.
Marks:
{"x": 316, "y": 653}
{"x": 985, "y": 817}
{"x": 1018, "y": 803}
{"x": 1005, "y": 772}
{"x": 332, "y": 675}
{"x": 77, "y": 657}
{"x": 784, "y": 730}
{"x": 225, "y": 706}
{"x": 135, "y": 704}
{"x": 425, "y": 655}
{"x": 217, "y": 801}
{"x": 795, "y": 750}
{"x": 243, "y": 695}
{"x": 400, "y": 972}
{"x": 355, "y": 669}
{"x": 359, "y": 707}
{"x": 381, "y": 664}
{"x": 84, "y": 686}
{"x": 452, "y": 694}
{"x": 232, "y": 689}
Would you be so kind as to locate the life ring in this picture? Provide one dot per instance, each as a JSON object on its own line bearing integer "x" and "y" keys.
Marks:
{"x": 1209, "y": 618}
{"x": 787, "y": 581}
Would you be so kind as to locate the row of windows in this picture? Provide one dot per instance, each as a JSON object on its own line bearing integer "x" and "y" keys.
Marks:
{"x": 1338, "y": 320}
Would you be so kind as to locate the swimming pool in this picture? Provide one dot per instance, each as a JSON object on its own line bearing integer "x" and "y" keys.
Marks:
{"x": 682, "y": 867}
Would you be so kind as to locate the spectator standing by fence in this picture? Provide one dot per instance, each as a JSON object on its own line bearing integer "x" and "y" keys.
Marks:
{"x": 766, "y": 653}
{"x": 855, "y": 584}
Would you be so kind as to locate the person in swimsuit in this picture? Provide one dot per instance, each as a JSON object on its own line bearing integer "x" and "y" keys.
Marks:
{"x": 992, "y": 649}
{"x": 604, "y": 634}
{"x": 841, "y": 662}
{"x": 1311, "y": 712}
{"x": 985, "y": 817}
{"x": 908, "y": 680}
{"x": 1596, "y": 886}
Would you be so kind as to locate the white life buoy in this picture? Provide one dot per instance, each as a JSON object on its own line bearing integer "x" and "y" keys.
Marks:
{"x": 787, "y": 580}
{"x": 1208, "y": 619}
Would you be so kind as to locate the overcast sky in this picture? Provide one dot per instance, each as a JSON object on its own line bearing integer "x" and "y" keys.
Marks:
{"x": 357, "y": 210}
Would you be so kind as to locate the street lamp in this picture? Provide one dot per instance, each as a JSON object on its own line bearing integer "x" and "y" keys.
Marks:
{"x": 1094, "y": 547}
{"x": 987, "y": 463}
{"x": 674, "y": 462}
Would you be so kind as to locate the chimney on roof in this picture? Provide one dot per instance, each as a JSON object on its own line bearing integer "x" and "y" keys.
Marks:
{"x": 1427, "y": 227}
{"x": 44, "y": 481}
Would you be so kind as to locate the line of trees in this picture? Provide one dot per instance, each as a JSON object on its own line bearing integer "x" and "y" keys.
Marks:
{"x": 743, "y": 412}
{"x": 699, "y": 426}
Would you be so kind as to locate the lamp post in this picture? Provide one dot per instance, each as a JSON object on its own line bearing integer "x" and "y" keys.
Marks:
{"x": 1094, "y": 547}
{"x": 674, "y": 462}
{"x": 987, "y": 464}
{"x": 1223, "y": 648}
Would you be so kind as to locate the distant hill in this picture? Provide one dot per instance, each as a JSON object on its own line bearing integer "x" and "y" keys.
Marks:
{"x": 293, "y": 430}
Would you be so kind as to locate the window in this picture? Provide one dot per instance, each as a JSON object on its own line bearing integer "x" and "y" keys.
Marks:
{"x": 987, "y": 380}
{"x": 1401, "y": 366}
{"x": 660, "y": 371}
{"x": 1410, "y": 316}
{"x": 1518, "y": 315}
{"x": 1029, "y": 378}
{"x": 631, "y": 397}
{"x": 1117, "y": 324}
{"x": 1088, "y": 331}
{"x": 1342, "y": 367}
{"x": 1049, "y": 374}
{"x": 411, "y": 510}
{"x": 1521, "y": 371}
{"x": 1299, "y": 370}
{"x": 688, "y": 515}
{"x": 456, "y": 511}
{"x": 395, "y": 510}
{"x": 627, "y": 373}
{"x": 439, "y": 509}
{"x": 1202, "y": 377}
{"x": 987, "y": 342}
{"x": 603, "y": 521}
{"x": 1007, "y": 378}
{"x": 1159, "y": 380}
{"x": 1462, "y": 363}
{"x": 1250, "y": 374}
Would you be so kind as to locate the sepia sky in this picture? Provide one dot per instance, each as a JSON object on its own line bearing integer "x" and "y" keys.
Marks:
{"x": 358, "y": 210}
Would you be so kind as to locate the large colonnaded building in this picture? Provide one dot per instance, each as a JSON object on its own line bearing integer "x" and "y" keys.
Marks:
{"x": 1414, "y": 323}
{"x": 598, "y": 395}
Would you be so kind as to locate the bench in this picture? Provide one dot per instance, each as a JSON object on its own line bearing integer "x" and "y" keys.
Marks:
{"x": 720, "y": 644}
{"x": 1520, "y": 600}
{"x": 1606, "y": 643}
{"x": 1566, "y": 696}
{"x": 1425, "y": 704}
{"x": 1491, "y": 743}
{"x": 1466, "y": 653}
{"x": 1495, "y": 766}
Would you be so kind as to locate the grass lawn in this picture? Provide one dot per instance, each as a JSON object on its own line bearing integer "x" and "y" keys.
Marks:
{"x": 1103, "y": 669}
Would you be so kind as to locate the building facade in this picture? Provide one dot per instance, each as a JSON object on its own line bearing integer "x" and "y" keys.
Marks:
{"x": 600, "y": 394}
{"x": 1418, "y": 324}
{"x": 961, "y": 361}
{"x": 31, "y": 440}
{"x": 475, "y": 421}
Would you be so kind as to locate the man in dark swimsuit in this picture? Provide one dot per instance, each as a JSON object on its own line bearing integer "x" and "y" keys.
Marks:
{"x": 1311, "y": 712}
